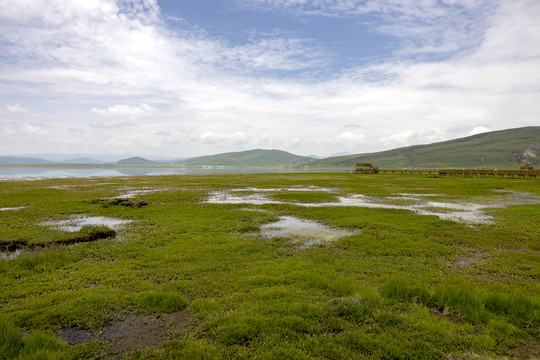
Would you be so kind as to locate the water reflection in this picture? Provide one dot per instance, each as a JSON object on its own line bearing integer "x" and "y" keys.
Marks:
{"x": 55, "y": 172}
{"x": 23, "y": 173}
{"x": 76, "y": 223}
{"x": 418, "y": 203}
{"x": 309, "y": 233}
{"x": 10, "y": 255}
{"x": 12, "y": 208}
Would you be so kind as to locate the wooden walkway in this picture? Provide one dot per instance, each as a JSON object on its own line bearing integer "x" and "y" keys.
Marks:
{"x": 467, "y": 172}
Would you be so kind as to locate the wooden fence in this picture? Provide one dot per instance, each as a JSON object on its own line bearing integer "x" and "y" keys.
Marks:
{"x": 468, "y": 172}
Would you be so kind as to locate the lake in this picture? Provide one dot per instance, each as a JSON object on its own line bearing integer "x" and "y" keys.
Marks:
{"x": 58, "y": 172}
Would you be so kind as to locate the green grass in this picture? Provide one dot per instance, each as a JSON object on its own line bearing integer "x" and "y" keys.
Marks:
{"x": 163, "y": 302}
{"x": 496, "y": 149}
{"x": 42, "y": 346}
{"x": 404, "y": 286}
{"x": 251, "y": 158}
{"x": 10, "y": 340}
{"x": 36, "y": 346}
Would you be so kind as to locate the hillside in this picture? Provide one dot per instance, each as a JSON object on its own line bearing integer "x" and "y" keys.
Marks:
{"x": 22, "y": 160}
{"x": 137, "y": 161}
{"x": 497, "y": 149}
{"x": 84, "y": 161}
{"x": 250, "y": 158}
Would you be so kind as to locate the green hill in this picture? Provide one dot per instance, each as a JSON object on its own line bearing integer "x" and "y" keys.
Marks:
{"x": 497, "y": 149}
{"x": 136, "y": 161}
{"x": 250, "y": 158}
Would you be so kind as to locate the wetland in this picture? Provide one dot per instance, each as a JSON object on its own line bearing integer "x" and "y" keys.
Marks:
{"x": 270, "y": 266}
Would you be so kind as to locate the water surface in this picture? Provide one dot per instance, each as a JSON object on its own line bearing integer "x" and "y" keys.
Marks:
{"x": 308, "y": 232}
{"x": 59, "y": 172}
{"x": 76, "y": 223}
{"x": 465, "y": 212}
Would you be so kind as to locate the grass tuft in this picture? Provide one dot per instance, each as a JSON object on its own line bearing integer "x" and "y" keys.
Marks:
{"x": 10, "y": 340}
{"x": 38, "y": 261}
{"x": 354, "y": 310}
{"x": 520, "y": 309}
{"x": 93, "y": 233}
{"x": 43, "y": 346}
{"x": 464, "y": 298}
{"x": 163, "y": 301}
{"x": 37, "y": 346}
{"x": 344, "y": 286}
{"x": 400, "y": 289}
{"x": 237, "y": 329}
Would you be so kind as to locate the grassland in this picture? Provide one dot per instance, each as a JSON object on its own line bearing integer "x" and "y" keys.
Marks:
{"x": 404, "y": 286}
{"x": 496, "y": 149}
{"x": 251, "y": 158}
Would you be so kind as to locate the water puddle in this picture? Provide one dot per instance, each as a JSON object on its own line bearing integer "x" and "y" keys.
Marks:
{"x": 76, "y": 223}
{"x": 510, "y": 197}
{"x": 420, "y": 204}
{"x": 10, "y": 255}
{"x": 130, "y": 193}
{"x": 233, "y": 197}
{"x": 308, "y": 233}
{"x": 12, "y": 208}
{"x": 294, "y": 188}
{"x": 13, "y": 249}
{"x": 466, "y": 213}
{"x": 469, "y": 261}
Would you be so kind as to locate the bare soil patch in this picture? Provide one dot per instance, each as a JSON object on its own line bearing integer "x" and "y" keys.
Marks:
{"x": 527, "y": 351}
{"x": 134, "y": 332}
{"x": 128, "y": 202}
{"x": 90, "y": 236}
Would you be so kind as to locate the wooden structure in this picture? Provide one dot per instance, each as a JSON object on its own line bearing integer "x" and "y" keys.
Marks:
{"x": 365, "y": 168}
{"x": 410, "y": 170}
{"x": 524, "y": 171}
{"x": 475, "y": 172}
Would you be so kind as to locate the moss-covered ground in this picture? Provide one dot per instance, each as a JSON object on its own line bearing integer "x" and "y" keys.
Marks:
{"x": 405, "y": 286}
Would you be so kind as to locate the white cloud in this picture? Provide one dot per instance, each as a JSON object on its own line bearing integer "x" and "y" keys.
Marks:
{"x": 409, "y": 136}
{"x": 425, "y": 26}
{"x": 77, "y": 53}
{"x": 273, "y": 52}
{"x": 132, "y": 112}
{"x": 479, "y": 130}
{"x": 112, "y": 124}
{"x": 346, "y": 139}
{"x": 398, "y": 139}
{"x": 35, "y": 130}
{"x": 211, "y": 137}
{"x": 16, "y": 109}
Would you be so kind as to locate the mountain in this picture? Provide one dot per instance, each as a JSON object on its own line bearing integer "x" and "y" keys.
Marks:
{"x": 344, "y": 153}
{"x": 250, "y": 158}
{"x": 60, "y": 158}
{"x": 84, "y": 161}
{"x": 497, "y": 149}
{"x": 22, "y": 160}
{"x": 137, "y": 161}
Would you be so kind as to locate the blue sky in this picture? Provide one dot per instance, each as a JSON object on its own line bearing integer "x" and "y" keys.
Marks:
{"x": 194, "y": 77}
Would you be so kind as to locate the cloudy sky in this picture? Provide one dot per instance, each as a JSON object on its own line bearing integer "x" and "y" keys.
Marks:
{"x": 179, "y": 78}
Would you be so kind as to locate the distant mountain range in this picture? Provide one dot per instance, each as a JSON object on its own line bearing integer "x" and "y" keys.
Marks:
{"x": 85, "y": 161}
{"x": 504, "y": 149}
{"x": 250, "y": 158}
{"x": 22, "y": 160}
{"x": 137, "y": 161}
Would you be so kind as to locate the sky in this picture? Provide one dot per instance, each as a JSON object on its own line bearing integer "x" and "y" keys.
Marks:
{"x": 182, "y": 78}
